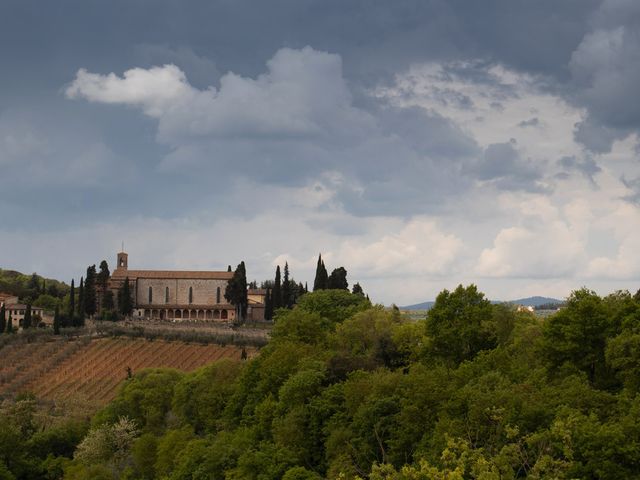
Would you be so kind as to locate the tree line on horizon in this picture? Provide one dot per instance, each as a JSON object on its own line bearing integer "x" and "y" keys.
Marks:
{"x": 283, "y": 291}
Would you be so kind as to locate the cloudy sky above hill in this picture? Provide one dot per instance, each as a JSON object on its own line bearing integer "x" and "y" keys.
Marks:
{"x": 420, "y": 144}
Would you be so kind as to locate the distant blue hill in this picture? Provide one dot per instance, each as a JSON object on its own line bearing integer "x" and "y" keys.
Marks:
{"x": 527, "y": 302}
{"x": 535, "y": 301}
{"x": 418, "y": 306}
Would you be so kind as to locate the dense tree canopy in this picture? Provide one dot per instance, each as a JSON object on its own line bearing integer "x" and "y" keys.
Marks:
{"x": 349, "y": 390}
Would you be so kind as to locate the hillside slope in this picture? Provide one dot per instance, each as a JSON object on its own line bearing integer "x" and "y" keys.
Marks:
{"x": 93, "y": 369}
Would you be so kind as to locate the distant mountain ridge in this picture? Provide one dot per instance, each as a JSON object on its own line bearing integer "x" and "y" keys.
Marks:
{"x": 527, "y": 302}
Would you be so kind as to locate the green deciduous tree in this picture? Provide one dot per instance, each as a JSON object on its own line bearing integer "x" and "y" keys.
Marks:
{"x": 460, "y": 324}
{"x": 578, "y": 333}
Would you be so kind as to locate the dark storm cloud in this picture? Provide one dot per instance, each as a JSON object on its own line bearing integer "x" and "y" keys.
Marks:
{"x": 532, "y": 122}
{"x": 632, "y": 184}
{"x": 503, "y": 167}
{"x": 388, "y": 158}
{"x": 605, "y": 71}
{"x": 587, "y": 166}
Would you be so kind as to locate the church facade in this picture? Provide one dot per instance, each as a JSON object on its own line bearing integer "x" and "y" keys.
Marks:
{"x": 175, "y": 295}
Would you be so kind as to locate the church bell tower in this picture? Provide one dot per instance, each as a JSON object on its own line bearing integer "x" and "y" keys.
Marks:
{"x": 123, "y": 260}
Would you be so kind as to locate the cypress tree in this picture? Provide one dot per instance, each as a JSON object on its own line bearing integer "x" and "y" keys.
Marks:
{"x": 72, "y": 301}
{"x": 321, "y": 282}
{"x": 79, "y": 318}
{"x": 286, "y": 288}
{"x": 56, "y": 322}
{"x": 107, "y": 302}
{"x": 357, "y": 290}
{"x": 9, "y": 325}
{"x": 102, "y": 283}
{"x": 125, "y": 302}
{"x": 26, "y": 321}
{"x": 236, "y": 291}
{"x": 90, "y": 298}
{"x": 268, "y": 305}
{"x": 301, "y": 290}
{"x": 276, "y": 294}
{"x": 338, "y": 279}
{"x": 3, "y": 319}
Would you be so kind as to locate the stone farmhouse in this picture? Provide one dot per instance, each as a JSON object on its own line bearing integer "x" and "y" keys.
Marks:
{"x": 18, "y": 310}
{"x": 177, "y": 295}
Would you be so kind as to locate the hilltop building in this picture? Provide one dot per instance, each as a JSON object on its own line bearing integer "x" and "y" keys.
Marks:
{"x": 178, "y": 295}
{"x": 18, "y": 310}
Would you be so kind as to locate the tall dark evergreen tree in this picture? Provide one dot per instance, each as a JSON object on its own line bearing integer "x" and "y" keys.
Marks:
{"x": 72, "y": 301}
{"x": 125, "y": 302}
{"x": 276, "y": 294}
{"x": 287, "y": 293}
{"x": 56, "y": 322}
{"x": 107, "y": 302}
{"x": 26, "y": 321}
{"x": 90, "y": 297}
{"x": 321, "y": 282}
{"x": 236, "y": 291}
{"x": 3, "y": 319}
{"x": 301, "y": 290}
{"x": 268, "y": 305}
{"x": 78, "y": 319}
{"x": 102, "y": 282}
{"x": 9, "y": 328}
{"x": 34, "y": 285}
{"x": 357, "y": 290}
{"x": 338, "y": 279}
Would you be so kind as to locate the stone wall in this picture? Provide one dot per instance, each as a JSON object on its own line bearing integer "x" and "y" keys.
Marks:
{"x": 204, "y": 291}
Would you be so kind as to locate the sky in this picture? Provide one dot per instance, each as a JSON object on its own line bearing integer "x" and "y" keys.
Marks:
{"x": 418, "y": 143}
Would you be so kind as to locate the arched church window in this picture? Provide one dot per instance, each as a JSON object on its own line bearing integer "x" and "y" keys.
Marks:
{"x": 150, "y": 295}
{"x": 218, "y": 295}
{"x": 190, "y": 294}
{"x": 166, "y": 295}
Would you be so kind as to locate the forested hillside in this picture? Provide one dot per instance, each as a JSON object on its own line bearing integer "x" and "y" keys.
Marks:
{"x": 345, "y": 390}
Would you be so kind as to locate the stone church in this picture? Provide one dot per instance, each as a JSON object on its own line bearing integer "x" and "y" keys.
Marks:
{"x": 180, "y": 295}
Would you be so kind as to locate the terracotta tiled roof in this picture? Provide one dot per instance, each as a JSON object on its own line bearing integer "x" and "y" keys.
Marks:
{"x": 192, "y": 275}
{"x": 20, "y": 306}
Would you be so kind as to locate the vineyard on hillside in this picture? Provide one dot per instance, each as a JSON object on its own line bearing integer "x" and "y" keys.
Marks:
{"x": 93, "y": 369}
